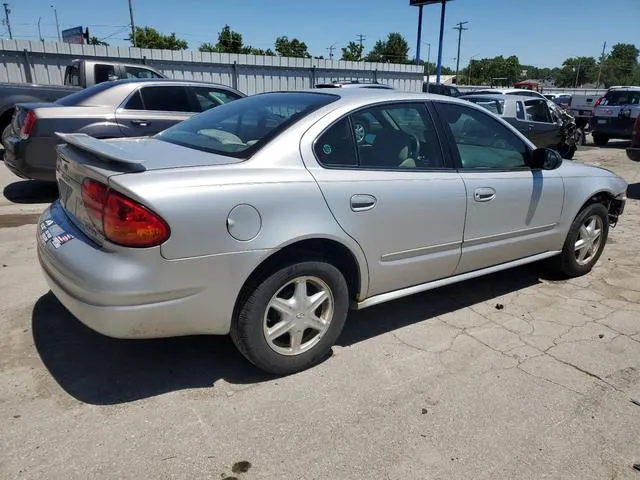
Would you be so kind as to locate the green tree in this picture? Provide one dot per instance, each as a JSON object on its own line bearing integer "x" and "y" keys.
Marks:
{"x": 577, "y": 71}
{"x": 394, "y": 49}
{"x": 148, "y": 37}
{"x": 259, "y": 51}
{"x": 620, "y": 65}
{"x": 96, "y": 41}
{"x": 492, "y": 71}
{"x": 291, "y": 48}
{"x": 352, "y": 52}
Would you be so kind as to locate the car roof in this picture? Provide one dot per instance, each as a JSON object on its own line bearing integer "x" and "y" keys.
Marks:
{"x": 500, "y": 96}
{"x": 165, "y": 81}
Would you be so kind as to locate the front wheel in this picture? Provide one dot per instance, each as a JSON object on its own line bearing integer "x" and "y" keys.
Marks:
{"x": 585, "y": 241}
{"x": 290, "y": 321}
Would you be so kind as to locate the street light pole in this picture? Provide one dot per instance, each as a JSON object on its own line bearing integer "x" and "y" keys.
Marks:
{"x": 55, "y": 12}
{"x": 419, "y": 34}
{"x": 428, "y": 61}
{"x": 442, "y": 17}
{"x": 8, "y": 22}
{"x": 40, "y": 31}
{"x": 578, "y": 72}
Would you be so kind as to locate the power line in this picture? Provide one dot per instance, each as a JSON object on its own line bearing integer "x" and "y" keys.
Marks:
{"x": 331, "y": 49}
{"x": 361, "y": 39}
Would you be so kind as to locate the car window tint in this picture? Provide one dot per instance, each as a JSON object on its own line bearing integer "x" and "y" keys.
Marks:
{"x": 72, "y": 76}
{"x": 402, "y": 136}
{"x": 622, "y": 97}
{"x": 166, "y": 99}
{"x": 104, "y": 73}
{"x": 336, "y": 146}
{"x": 139, "y": 72}
{"x": 209, "y": 97}
{"x": 482, "y": 141}
{"x": 537, "y": 111}
{"x": 135, "y": 102}
{"x": 494, "y": 106}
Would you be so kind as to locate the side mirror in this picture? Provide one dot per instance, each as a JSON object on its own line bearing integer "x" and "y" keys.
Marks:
{"x": 545, "y": 159}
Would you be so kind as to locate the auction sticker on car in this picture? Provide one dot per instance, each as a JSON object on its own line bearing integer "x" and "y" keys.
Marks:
{"x": 51, "y": 233}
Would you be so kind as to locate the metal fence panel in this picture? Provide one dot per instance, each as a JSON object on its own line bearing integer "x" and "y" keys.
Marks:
{"x": 44, "y": 63}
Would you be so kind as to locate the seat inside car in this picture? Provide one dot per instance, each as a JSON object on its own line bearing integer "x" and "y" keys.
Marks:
{"x": 390, "y": 149}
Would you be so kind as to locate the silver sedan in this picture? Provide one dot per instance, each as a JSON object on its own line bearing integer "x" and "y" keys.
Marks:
{"x": 269, "y": 217}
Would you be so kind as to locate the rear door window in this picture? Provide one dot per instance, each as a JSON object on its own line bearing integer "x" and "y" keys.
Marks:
{"x": 104, "y": 73}
{"x": 209, "y": 97}
{"x": 140, "y": 72}
{"x": 166, "y": 98}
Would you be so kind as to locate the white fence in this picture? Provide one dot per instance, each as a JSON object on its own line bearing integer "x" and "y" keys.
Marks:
{"x": 44, "y": 63}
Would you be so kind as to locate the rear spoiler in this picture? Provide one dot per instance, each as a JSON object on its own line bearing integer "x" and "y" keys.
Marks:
{"x": 104, "y": 150}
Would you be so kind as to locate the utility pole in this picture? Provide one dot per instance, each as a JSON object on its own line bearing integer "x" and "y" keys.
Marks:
{"x": 460, "y": 27}
{"x": 40, "y": 31}
{"x": 601, "y": 62}
{"x": 55, "y": 12}
{"x": 361, "y": 39}
{"x": 6, "y": 15}
{"x": 133, "y": 25}
{"x": 578, "y": 72}
{"x": 331, "y": 49}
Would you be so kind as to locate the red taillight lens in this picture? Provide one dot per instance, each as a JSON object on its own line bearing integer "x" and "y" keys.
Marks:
{"x": 94, "y": 197}
{"x": 120, "y": 219}
{"x": 27, "y": 124}
{"x": 599, "y": 101}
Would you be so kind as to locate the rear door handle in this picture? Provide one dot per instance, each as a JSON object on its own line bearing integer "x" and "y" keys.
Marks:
{"x": 362, "y": 203}
{"x": 141, "y": 123}
{"x": 484, "y": 194}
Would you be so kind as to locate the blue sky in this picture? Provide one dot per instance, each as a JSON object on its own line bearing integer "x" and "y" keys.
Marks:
{"x": 539, "y": 32}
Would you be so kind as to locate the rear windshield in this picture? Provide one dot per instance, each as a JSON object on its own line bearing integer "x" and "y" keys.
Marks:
{"x": 622, "y": 97}
{"x": 494, "y": 106}
{"x": 240, "y": 128}
{"x": 82, "y": 97}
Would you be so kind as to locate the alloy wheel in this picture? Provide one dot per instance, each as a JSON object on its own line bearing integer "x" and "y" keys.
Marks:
{"x": 588, "y": 241}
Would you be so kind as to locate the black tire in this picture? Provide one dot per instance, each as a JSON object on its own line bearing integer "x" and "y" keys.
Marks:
{"x": 566, "y": 263}
{"x": 600, "y": 140}
{"x": 247, "y": 328}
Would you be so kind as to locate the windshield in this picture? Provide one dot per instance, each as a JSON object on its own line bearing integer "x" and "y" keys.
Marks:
{"x": 240, "y": 128}
{"x": 622, "y": 97}
{"x": 82, "y": 96}
{"x": 494, "y": 106}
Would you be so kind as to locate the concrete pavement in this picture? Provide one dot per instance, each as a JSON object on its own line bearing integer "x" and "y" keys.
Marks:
{"x": 512, "y": 376}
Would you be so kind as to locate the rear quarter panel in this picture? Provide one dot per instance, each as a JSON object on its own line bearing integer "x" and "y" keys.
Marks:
{"x": 196, "y": 203}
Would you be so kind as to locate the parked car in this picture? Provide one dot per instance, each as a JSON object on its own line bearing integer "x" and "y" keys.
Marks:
{"x": 79, "y": 74}
{"x": 354, "y": 84}
{"x": 614, "y": 114}
{"x": 266, "y": 219}
{"x": 534, "y": 118}
{"x": 522, "y": 92}
{"x": 633, "y": 151}
{"x": 561, "y": 99}
{"x": 448, "y": 90}
{"x": 122, "y": 108}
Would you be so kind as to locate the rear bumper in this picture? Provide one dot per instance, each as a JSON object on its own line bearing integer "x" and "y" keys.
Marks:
{"x": 612, "y": 127}
{"x": 136, "y": 293}
{"x": 32, "y": 158}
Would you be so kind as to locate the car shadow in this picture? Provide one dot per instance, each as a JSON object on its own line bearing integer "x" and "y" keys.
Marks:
{"x": 31, "y": 191}
{"x": 633, "y": 191}
{"x": 104, "y": 371}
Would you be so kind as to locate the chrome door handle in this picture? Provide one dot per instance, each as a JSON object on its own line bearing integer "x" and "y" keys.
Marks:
{"x": 485, "y": 194}
{"x": 362, "y": 203}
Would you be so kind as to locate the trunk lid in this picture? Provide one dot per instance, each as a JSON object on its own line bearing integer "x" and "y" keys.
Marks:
{"x": 83, "y": 157}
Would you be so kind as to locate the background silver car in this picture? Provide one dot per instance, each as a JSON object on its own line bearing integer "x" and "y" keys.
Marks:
{"x": 122, "y": 108}
{"x": 268, "y": 217}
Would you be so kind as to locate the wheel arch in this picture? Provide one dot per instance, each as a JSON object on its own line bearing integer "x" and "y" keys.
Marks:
{"x": 314, "y": 248}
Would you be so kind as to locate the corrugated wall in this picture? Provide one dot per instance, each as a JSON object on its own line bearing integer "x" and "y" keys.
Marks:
{"x": 44, "y": 63}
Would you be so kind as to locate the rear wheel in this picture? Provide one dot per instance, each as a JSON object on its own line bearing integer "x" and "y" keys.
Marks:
{"x": 290, "y": 321}
{"x": 599, "y": 139}
{"x": 585, "y": 241}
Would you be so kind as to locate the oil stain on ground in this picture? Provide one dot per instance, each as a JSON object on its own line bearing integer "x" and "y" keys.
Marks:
{"x": 18, "y": 219}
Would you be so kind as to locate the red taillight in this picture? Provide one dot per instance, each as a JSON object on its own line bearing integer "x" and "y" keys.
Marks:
{"x": 120, "y": 219}
{"x": 599, "y": 101}
{"x": 27, "y": 124}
